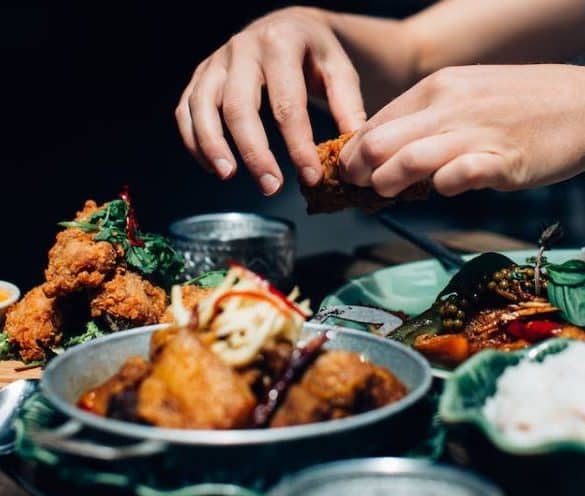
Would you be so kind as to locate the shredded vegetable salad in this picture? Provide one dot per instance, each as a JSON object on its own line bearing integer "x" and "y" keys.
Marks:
{"x": 243, "y": 314}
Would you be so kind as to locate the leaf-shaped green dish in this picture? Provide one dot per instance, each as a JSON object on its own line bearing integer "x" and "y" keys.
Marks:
{"x": 468, "y": 387}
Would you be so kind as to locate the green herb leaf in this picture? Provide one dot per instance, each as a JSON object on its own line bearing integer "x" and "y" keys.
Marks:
{"x": 92, "y": 331}
{"x": 566, "y": 290}
{"x": 209, "y": 279}
{"x": 156, "y": 258}
{"x": 6, "y": 348}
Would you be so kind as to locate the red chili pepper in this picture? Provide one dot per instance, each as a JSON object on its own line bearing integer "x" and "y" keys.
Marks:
{"x": 131, "y": 221}
{"x": 270, "y": 288}
{"x": 534, "y": 330}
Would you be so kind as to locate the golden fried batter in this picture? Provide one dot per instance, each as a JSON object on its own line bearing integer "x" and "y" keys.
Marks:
{"x": 192, "y": 388}
{"x": 191, "y": 296}
{"x": 129, "y": 300}
{"x": 77, "y": 262}
{"x": 34, "y": 324}
{"x": 332, "y": 194}
{"x": 338, "y": 384}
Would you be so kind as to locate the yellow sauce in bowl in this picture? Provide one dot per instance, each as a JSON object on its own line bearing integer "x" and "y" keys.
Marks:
{"x": 4, "y": 295}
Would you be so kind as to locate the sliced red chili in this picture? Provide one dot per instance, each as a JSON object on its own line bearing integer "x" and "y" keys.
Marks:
{"x": 533, "y": 330}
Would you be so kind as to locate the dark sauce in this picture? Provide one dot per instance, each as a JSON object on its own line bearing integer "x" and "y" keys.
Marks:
{"x": 300, "y": 360}
{"x": 131, "y": 221}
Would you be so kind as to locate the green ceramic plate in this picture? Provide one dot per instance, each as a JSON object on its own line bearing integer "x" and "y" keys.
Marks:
{"x": 413, "y": 287}
{"x": 468, "y": 387}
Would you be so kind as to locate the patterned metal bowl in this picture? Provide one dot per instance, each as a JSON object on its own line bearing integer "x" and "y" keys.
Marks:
{"x": 263, "y": 244}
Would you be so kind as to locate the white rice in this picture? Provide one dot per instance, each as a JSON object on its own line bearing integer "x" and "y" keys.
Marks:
{"x": 538, "y": 402}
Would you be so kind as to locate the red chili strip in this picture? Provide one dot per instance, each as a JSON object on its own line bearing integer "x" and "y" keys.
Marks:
{"x": 131, "y": 220}
{"x": 293, "y": 306}
{"x": 534, "y": 330}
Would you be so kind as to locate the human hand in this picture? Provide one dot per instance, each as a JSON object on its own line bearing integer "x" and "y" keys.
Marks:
{"x": 293, "y": 53}
{"x": 474, "y": 127}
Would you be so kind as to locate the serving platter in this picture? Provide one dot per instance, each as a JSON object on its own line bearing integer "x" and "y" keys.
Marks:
{"x": 413, "y": 287}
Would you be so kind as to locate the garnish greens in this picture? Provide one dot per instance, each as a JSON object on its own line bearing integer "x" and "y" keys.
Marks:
{"x": 209, "y": 279}
{"x": 566, "y": 289}
{"x": 549, "y": 236}
{"x": 152, "y": 256}
{"x": 6, "y": 349}
{"x": 92, "y": 331}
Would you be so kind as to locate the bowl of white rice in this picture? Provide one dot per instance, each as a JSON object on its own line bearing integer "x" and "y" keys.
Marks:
{"x": 527, "y": 402}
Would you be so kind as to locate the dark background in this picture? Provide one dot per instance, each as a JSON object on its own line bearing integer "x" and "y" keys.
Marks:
{"x": 88, "y": 96}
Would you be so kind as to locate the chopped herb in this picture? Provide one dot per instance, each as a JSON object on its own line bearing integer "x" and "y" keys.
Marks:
{"x": 210, "y": 279}
{"x": 6, "y": 348}
{"x": 153, "y": 256}
{"x": 92, "y": 331}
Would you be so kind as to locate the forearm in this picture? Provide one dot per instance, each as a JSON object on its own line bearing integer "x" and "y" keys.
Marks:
{"x": 392, "y": 55}
{"x": 465, "y": 32}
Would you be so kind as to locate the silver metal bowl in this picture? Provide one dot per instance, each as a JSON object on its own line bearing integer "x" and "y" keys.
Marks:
{"x": 243, "y": 454}
{"x": 263, "y": 244}
{"x": 391, "y": 476}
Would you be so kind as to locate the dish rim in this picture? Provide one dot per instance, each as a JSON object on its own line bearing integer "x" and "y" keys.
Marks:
{"x": 14, "y": 291}
{"x": 239, "y": 437}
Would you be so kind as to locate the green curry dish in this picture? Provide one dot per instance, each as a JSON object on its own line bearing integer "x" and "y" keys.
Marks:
{"x": 566, "y": 290}
{"x": 151, "y": 255}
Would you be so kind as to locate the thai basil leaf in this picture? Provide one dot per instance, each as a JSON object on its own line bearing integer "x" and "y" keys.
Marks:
{"x": 566, "y": 290}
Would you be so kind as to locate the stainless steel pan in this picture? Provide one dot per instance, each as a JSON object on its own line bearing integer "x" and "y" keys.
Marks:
{"x": 253, "y": 451}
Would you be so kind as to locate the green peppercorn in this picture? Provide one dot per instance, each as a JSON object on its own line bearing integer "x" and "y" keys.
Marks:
{"x": 492, "y": 285}
{"x": 447, "y": 323}
{"x": 498, "y": 276}
{"x": 504, "y": 284}
{"x": 452, "y": 309}
{"x": 460, "y": 314}
{"x": 457, "y": 324}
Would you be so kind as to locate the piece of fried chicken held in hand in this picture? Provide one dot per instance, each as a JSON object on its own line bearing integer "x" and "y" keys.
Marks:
{"x": 333, "y": 194}
{"x": 34, "y": 324}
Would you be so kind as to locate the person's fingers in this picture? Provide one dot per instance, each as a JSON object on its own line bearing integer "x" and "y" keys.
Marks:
{"x": 420, "y": 159}
{"x": 342, "y": 87}
{"x": 204, "y": 104}
{"x": 375, "y": 147}
{"x": 468, "y": 172}
{"x": 241, "y": 102}
{"x": 185, "y": 125}
{"x": 412, "y": 101}
{"x": 288, "y": 99}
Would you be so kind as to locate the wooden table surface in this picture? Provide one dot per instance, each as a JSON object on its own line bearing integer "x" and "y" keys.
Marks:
{"x": 318, "y": 276}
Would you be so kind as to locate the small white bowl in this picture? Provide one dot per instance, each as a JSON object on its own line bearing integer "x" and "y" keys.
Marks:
{"x": 14, "y": 296}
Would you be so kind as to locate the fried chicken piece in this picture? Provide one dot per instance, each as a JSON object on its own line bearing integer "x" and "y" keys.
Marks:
{"x": 78, "y": 262}
{"x": 97, "y": 400}
{"x": 191, "y": 296}
{"x": 190, "y": 387}
{"x": 129, "y": 300}
{"x": 338, "y": 384}
{"x": 34, "y": 324}
{"x": 332, "y": 194}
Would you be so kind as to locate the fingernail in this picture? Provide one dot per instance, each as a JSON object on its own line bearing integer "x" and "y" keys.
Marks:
{"x": 310, "y": 176}
{"x": 223, "y": 167}
{"x": 269, "y": 184}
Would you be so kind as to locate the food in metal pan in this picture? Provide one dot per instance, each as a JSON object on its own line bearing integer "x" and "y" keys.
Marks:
{"x": 237, "y": 360}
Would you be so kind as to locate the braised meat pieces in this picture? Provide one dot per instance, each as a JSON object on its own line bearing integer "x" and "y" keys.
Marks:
{"x": 186, "y": 385}
{"x": 333, "y": 194}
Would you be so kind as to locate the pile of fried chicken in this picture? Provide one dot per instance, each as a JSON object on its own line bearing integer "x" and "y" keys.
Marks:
{"x": 85, "y": 279}
{"x": 217, "y": 367}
